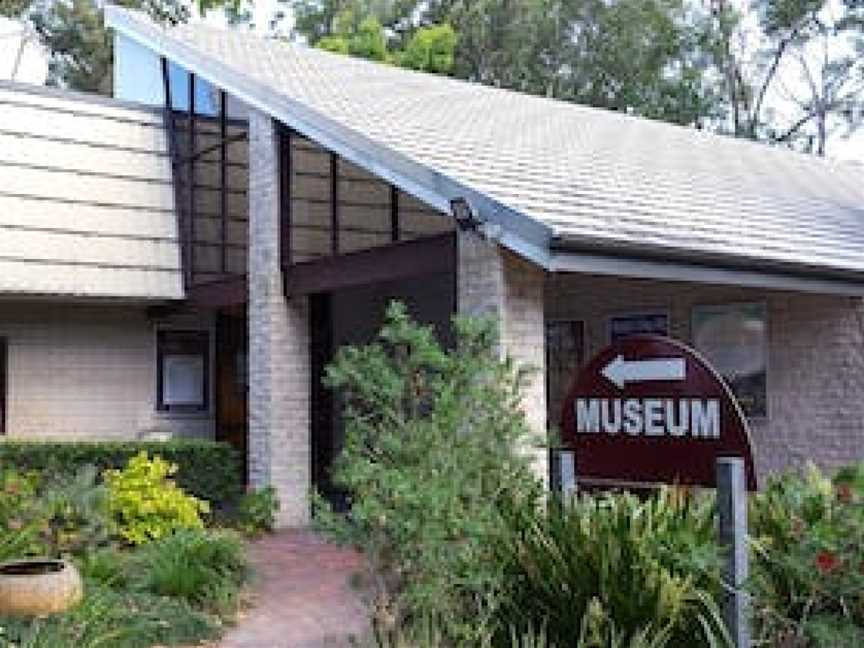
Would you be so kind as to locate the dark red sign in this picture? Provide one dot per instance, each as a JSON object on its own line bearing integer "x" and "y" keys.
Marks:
{"x": 649, "y": 409}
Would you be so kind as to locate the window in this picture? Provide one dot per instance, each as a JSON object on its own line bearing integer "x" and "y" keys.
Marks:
{"x": 733, "y": 338}
{"x": 654, "y": 323}
{"x": 183, "y": 371}
{"x": 565, "y": 353}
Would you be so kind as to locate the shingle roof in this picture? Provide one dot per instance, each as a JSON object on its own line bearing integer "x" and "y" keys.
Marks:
{"x": 86, "y": 198}
{"x": 550, "y": 172}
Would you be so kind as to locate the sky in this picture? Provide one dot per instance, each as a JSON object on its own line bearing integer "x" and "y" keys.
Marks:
{"x": 33, "y": 69}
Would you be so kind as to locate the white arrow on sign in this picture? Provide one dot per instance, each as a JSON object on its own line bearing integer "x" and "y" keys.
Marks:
{"x": 620, "y": 371}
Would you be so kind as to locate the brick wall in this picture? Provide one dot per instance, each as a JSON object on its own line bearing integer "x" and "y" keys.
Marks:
{"x": 494, "y": 282}
{"x": 279, "y": 372}
{"x": 86, "y": 372}
{"x": 815, "y": 357}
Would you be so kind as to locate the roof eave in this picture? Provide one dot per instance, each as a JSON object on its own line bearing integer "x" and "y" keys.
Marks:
{"x": 715, "y": 272}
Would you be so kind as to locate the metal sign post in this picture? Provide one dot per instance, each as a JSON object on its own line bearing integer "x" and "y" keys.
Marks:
{"x": 732, "y": 511}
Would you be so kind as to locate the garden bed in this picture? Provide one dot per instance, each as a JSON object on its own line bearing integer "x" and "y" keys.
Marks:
{"x": 155, "y": 570}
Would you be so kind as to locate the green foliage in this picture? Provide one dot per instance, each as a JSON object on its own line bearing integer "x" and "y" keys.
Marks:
{"x": 22, "y": 523}
{"x": 79, "y": 46}
{"x": 808, "y": 558}
{"x": 208, "y": 470}
{"x": 146, "y": 504}
{"x": 108, "y": 617}
{"x": 369, "y": 41}
{"x": 616, "y": 571}
{"x": 76, "y": 512}
{"x": 51, "y": 517}
{"x": 108, "y": 566}
{"x": 335, "y": 44}
{"x": 430, "y": 466}
{"x": 203, "y": 568}
{"x": 256, "y": 512}
{"x": 430, "y": 49}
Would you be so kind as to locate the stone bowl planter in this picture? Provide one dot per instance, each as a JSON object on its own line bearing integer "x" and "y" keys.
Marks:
{"x": 38, "y": 586}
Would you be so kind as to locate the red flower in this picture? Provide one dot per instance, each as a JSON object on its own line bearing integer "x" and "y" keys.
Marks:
{"x": 827, "y": 561}
{"x": 844, "y": 493}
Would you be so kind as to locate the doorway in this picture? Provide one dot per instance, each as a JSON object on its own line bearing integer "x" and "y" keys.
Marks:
{"x": 354, "y": 316}
{"x": 232, "y": 384}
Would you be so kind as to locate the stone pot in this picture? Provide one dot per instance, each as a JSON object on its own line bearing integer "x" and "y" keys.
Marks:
{"x": 38, "y": 586}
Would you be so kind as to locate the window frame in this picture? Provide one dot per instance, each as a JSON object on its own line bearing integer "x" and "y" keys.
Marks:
{"x": 766, "y": 348}
{"x": 205, "y": 351}
{"x": 639, "y": 312}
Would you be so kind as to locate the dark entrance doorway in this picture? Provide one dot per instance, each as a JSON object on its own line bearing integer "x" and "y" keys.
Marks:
{"x": 232, "y": 379}
{"x": 354, "y": 316}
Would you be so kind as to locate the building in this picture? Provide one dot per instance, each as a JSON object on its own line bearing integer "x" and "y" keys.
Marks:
{"x": 188, "y": 267}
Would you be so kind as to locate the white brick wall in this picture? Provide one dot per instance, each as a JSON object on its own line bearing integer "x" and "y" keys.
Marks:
{"x": 815, "y": 357}
{"x": 279, "y": 371}
{"x": 497, "y": 283}
{"x": 85, "y": 372}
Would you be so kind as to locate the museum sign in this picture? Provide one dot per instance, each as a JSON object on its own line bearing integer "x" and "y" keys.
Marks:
{"x": 649, "y": 409}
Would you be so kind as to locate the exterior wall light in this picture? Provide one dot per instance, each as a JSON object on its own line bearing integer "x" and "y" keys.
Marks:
{"x": 465, "y": 215}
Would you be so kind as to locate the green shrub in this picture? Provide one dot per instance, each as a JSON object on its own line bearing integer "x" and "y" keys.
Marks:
{"x": 147, "y": 504}
{"x": 256, "y": 512}
{"x": 616, "y": 571}
{"x": 808, "y": 559}
{"x": 108, "y": 566}
{"x": 108, "y": 617}
{"x": 204, "y": 568}
{"x": 76, "y": 511}
{"x": 208, "y": 470}
{"x": 430, "y": 466}
{"x": 23, "y": 525}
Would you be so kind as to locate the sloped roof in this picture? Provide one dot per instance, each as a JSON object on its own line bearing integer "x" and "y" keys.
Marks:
{"x": 561, "y": 180}
{"x": 86, "y": 198}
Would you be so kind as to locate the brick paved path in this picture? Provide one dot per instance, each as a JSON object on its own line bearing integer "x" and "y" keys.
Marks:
{"x": 302, "y": 597}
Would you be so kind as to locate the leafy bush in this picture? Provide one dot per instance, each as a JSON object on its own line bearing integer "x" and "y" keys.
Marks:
{"x": 147, "y": 504}
{"x": 204, "y": 568}
{"x": 430, "y": 466}
{"x": 108, "y": 617}
{"x": 808, "y": 559}
{"x": 208, "y": 470}
{"x": 76, "y": 513}
{"x": 256, "y": 512}
{"x": 616, "y": 570}
{"x": 107, "y": 566}
{"x": 22, "y": 520}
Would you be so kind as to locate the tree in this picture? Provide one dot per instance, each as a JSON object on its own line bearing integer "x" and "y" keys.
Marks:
{"x": 806, "y": 77}
{"x": 74, "y": 34}
{"x": 430, "y": 49}
{"x": 432, "y": 466}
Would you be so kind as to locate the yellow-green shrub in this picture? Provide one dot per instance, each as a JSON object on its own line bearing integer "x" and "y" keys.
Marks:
{"x": 145, "y": 502}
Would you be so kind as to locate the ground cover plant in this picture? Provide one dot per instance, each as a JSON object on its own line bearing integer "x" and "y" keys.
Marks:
{"x": 153, "y": 574}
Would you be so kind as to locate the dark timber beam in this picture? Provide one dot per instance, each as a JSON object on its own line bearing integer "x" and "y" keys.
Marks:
{"x": 219, "y": 294}
{"x": 285, "y": 196}
{"x": 394, "y": 214}
{"x": 334, "y": 204}
{"x": 190, "y": 215}
{"x": 173, "y": 152}
{"x": 416, "y": 258}
{"x": 223, "y": 195}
